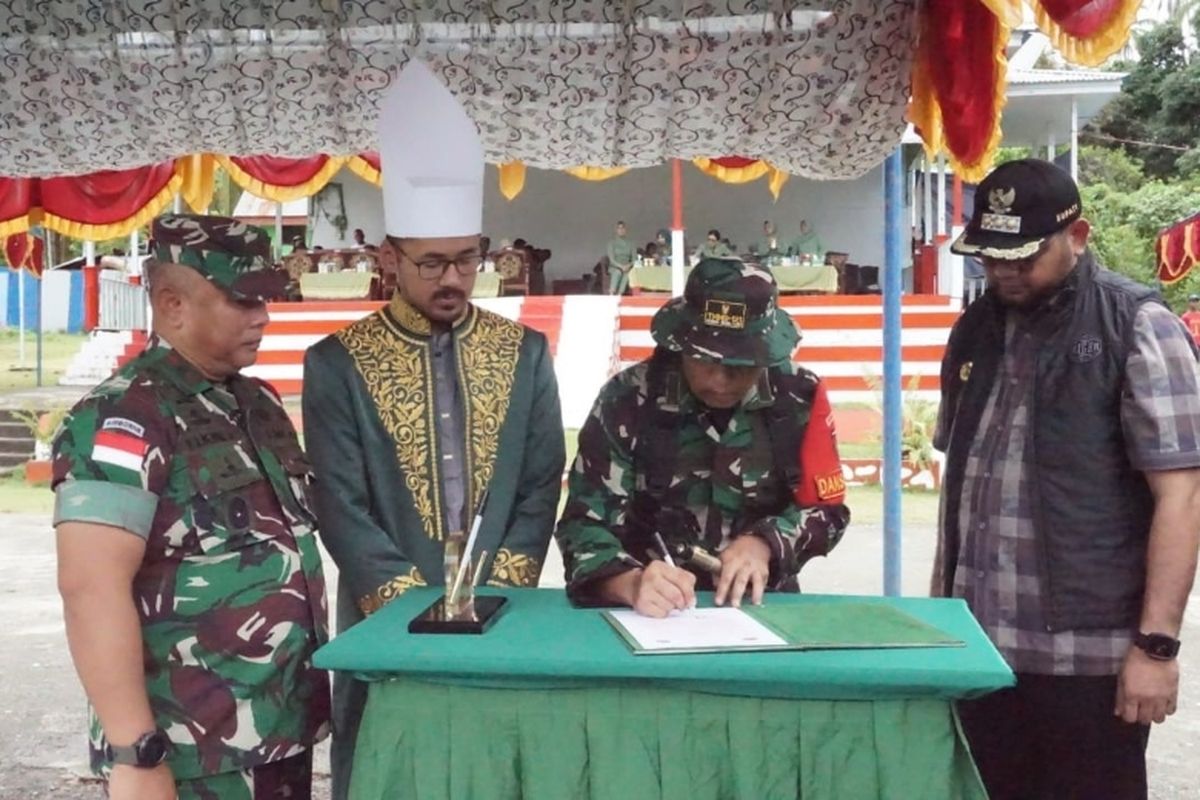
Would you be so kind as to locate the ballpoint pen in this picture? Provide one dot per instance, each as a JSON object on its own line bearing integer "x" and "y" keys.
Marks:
{"x": 464, "y": 563}
{"x": 666, "y": 554}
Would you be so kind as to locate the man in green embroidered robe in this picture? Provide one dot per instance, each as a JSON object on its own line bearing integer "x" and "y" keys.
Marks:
{"x": 411, "y": 413}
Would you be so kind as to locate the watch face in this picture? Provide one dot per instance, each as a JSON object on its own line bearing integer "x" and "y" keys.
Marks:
{"x": 1159, "y": 645}
{"x": 152, "y": 750}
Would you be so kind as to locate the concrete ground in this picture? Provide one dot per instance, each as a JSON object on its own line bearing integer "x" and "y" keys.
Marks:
{"x": 42, "y": 711}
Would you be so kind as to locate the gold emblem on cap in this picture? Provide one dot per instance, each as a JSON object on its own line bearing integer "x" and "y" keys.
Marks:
{"x": 725, "y": 314}
{"x": 1000, "y": 201}
{"x": 964, "y": 372}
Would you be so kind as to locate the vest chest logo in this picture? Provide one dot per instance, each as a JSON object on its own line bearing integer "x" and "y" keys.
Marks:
{"x": 1087, "y": 348}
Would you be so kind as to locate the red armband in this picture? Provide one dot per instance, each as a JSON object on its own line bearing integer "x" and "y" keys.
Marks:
{"x": 821, "y": 480}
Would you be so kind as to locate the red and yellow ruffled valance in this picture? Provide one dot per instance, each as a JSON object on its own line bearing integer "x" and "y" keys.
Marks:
{"x": 103, "y": 205}
{"x": 738, "y": 169}
{"x": 960, "y": 72}
{"x": 1178, "y": 249}
{"x": 282, "y": 179}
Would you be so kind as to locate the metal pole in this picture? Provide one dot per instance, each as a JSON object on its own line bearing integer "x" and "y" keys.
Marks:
{"x": 21, "y": 317}
{"x": 1074, "y": 139}
{"x": 941, "y": 195}
{"x": 677, "y": 254}
{"x": 927, "y": 209}
{"x": 893, "y": 263}
{"x": 278, "y": 231}
{"x": 51, "y": 260}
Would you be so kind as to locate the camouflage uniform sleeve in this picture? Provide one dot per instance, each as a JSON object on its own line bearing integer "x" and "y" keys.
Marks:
{"x": 520, "y": 558}
{"x": 600, "y": 482}
{"x": 814, "y": 522}
{"x": 111, "y": 461}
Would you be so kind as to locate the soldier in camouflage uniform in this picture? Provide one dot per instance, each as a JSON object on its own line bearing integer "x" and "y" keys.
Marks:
{"x": 188, "y": 563}
{"x": 716, "y": 432}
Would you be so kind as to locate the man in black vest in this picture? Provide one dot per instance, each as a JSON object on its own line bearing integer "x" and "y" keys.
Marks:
{"x": 1070, "y": 420}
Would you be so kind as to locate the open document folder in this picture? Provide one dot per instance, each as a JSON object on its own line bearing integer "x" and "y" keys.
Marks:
{"x": 811, "y": 626}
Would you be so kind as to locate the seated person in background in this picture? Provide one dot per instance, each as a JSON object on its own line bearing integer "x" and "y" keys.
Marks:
{"x": 620, "y": 253}
{"x": 806, "y": 243}
{"x": 718, "y": 443}
{"x": 769, "y": 243}
{"x": 662, "y": 246}
{"x": 713, "y": 247}
{"x": 360, "y": 240}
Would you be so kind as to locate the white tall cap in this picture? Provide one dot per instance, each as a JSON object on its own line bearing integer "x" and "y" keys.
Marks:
{"x": 431, "y": 159}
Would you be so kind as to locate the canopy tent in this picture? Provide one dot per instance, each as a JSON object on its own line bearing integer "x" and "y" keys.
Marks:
{"x": 818, "y": 88}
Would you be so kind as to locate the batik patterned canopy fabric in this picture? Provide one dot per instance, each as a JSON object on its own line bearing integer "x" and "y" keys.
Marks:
{"x": 819, "y": 89}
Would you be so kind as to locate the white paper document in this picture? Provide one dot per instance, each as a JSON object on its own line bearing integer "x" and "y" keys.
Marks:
{"x": 694, "y": 630}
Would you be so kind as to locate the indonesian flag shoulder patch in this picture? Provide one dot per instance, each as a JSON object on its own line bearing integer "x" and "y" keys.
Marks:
{"x": 120, "y": 449}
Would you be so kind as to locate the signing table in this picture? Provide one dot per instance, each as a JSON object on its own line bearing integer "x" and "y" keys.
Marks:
{"x": 551, "y": 705}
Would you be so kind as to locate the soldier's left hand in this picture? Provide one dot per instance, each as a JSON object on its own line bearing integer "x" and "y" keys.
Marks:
{"x": 1146, "y": 689}
{"x": 745, "y": 563}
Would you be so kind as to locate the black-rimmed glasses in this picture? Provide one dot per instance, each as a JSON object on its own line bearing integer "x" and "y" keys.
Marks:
{"x": 431, "y": 269}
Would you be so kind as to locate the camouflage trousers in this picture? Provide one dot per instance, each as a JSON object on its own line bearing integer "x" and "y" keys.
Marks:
{"x": 287, "y": 779}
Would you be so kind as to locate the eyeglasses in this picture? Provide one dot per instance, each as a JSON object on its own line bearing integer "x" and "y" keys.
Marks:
{"x": 431, "y": 269}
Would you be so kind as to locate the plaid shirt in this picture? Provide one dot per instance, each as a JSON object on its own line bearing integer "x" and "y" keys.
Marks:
{"x": 997, "y": 570}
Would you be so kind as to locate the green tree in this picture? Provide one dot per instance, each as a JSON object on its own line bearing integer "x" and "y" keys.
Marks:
{"x": 1112, "y": 167}
{"x": 1157, "y": 114}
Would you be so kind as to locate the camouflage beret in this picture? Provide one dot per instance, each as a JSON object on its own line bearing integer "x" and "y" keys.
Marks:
{"x": 729, "y": 314}
{"x": 231, "y": 254}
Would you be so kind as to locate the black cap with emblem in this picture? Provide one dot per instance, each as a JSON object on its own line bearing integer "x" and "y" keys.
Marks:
{"x": 1017, "y": 207}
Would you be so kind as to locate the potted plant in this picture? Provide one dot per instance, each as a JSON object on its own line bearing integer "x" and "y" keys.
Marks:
{"x": 918, "y": 423}
{"x": 43, "y": 426}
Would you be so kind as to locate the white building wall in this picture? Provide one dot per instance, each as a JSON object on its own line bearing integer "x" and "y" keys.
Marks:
{"x": 574, "y": 219}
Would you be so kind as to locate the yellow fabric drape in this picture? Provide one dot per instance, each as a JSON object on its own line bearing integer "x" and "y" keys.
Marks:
{"x": 283, "y": 194}
{"x": 196, "y": 175}
{"x": 363, "y": 169}
{"x": 595, "y": 173}
{"x": 1095, "y": 50}
{"x": 512, "y": 178}
{"x": 777, "y": 180}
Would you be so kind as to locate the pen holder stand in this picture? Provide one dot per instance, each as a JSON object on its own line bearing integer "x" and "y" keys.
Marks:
{"x": 475, "y": 618}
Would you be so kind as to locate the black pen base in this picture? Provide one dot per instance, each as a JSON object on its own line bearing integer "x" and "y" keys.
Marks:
{"x": 474, "y": 619}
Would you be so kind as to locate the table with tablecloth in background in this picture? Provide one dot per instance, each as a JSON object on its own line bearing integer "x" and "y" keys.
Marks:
{"x": 550, "y": 703}
{"x": 487, "y": 284}
{"x": 341, "y": 285}
{"x": 806, "y": 278}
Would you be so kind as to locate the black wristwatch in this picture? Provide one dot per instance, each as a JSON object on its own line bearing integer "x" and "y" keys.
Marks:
{"x": 149, "y": 750}
{"x": 1158, "y": 646}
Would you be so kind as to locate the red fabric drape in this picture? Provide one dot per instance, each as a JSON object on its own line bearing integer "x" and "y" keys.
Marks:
{"x": 105, "y": 197}
{"x": 959, "y": 39}
{"x": 733, "y": 162}
{"x": 279, "y": 171}
{"x": 371, "y": 158}
{"x": 95, "y": 206}
{"x": 25, "y": 251}
{"x": 1082, "y": 18}
{"x": 1178, "y": 249}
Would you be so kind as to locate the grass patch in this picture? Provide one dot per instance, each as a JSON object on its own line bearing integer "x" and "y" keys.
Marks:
{"x": 18, "y": 497}
{"x": 916, "y": 507}
{"x": 57, "y": 351}
{"x": 870, "y": 449}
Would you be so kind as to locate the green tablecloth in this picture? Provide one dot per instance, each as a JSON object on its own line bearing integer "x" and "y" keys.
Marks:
{"x": 551, "y": 704}
{"x": 487, "y": 284}
{"x": 653, "y": 279}
{"x": 344, "y": 285}
{"x": 818, "y": 278}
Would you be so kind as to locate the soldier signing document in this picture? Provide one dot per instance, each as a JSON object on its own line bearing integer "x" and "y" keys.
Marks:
{"x": 716, "y": 449}
{"x": 415, "y": 411}
{"x": 187, "y": 558}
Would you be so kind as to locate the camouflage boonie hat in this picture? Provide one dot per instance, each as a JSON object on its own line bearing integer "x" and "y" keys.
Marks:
{"x": 729, "y": 314}
{"x": 232, "y": 255}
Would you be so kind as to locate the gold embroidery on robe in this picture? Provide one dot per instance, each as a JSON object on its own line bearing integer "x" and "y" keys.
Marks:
{"x": 487, "y": 367}
{"x": 385, "y": 594}
{"x": 398, "y": 372}
{"x": 399, "y": 378}
{"x": 514, "y": 569}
